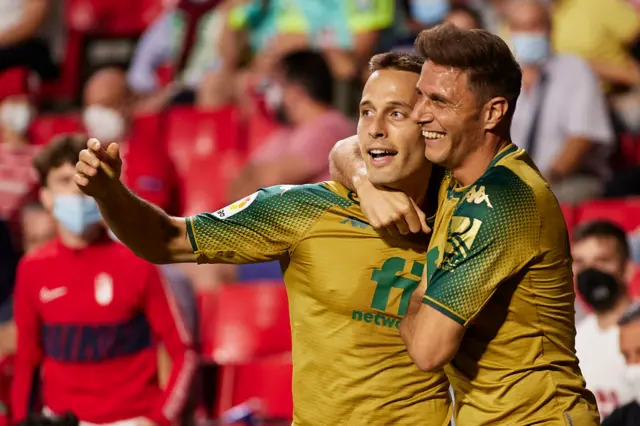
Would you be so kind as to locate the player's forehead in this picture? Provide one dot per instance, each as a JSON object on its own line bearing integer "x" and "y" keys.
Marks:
{"x": 388, "y": 86}
{"x": 442, "y": 80}
{"x": 596, "y": 246}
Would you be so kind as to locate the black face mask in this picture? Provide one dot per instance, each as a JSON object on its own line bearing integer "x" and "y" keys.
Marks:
{"x": 599, "y": 289}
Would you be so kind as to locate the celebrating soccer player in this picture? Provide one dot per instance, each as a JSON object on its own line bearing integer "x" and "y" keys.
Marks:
{"x": 348, "y": 287}
{"x": 498, "y": 306}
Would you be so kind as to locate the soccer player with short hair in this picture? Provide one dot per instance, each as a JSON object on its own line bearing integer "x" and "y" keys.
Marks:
{"x": 348, "y": 287}
{"x": 498, "y": 307}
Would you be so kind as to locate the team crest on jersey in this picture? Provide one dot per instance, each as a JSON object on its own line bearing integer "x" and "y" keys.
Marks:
{"x": 236, "y": 207}
{"x": 103, "y": 289}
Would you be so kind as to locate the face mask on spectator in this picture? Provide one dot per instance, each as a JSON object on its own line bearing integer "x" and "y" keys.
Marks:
{"x": 16, "y": 117}
{"x": 530, "y": 48}
{"x": 273, "y": 98}
{"x": 599, "y": 289}
{"x": 103, "y": 123}
{"x": 429, "y": 12}
{"x": 76, "y": 213}
{"x": 633, "y": 377}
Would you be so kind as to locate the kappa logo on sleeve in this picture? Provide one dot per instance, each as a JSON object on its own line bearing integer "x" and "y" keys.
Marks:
{"x": 236, "y": 207}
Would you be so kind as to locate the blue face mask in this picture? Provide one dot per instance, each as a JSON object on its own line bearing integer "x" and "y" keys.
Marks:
{"x": 429, "y": 12}
{"x": 530, "y": 48}
{"x": 76, "y": 213}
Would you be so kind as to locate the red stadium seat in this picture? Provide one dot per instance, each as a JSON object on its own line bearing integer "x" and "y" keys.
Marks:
{"x": 268, "y": 382}
{"x": 192, "y": 134}
{"x": 624, "y": 212}
{"x": 250, "y": 321}
{"x": 14, "y": 81}
{"x": 45, "y": 127}
{"x": 569, "y": 213}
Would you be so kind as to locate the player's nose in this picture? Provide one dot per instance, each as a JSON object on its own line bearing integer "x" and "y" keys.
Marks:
{"x": 377, "y": 129}
{"x": 421, "y": 113}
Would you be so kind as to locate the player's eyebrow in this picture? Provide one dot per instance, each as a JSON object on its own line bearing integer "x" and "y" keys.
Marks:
{"x": 365, "y": 102}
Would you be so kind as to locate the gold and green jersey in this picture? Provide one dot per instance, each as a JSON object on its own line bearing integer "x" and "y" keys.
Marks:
{"x": 499, "y": 264}
{"x": 348, "y": 289}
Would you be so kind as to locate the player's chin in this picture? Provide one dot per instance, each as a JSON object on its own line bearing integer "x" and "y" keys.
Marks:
{"x": 436, "y": 154}
{"x": 382, "y": 177}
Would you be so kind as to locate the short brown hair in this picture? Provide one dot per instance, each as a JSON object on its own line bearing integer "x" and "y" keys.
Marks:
{"x": 63, "y": 149}
{"x": 485, "y": 58}
{"x": 396, "y": 61}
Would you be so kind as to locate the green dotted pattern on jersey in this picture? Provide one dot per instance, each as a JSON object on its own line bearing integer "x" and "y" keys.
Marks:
{"x": 508, "y": 236}
{"x": 274, "y": 222}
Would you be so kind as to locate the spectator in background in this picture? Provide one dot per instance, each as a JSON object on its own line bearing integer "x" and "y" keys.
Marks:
{"x": 603, "y": 32}
{"x": 187, "y": 39}
{"x": 602, "y": 268}
{"x": 561, "y": 117}
{"x": 37, "y": 228}
{"x": 346, "y": 31}
{"x": 300, "y": 96}
{"x": 464, "y": 17}
{"x": 108, "y": 115}
{"x": 20, "y": 45}
{"x": 91, "y": 313}
{"x": 18, "y": 180}
{"x": 629, "y": 414}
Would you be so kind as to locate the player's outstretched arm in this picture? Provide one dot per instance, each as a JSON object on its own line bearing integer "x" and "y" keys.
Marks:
{"x": 146, "y": 229}
{"x": 386, "y": 209}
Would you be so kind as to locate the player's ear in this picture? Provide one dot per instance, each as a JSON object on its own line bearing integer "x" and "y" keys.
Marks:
{"x": 494, "y": 112}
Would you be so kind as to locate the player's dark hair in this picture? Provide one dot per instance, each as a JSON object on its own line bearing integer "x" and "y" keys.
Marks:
{"x": 68, "y": 419}
{"x": 62, "y": 149}
{"x": 310, "y": 70}
{"x": 468, "y": 10}
{"x": 491, "y": 69}
{"x": 396, "y": 61}
{"x": 631, "y": 315}
{"x": 603, "y": 229}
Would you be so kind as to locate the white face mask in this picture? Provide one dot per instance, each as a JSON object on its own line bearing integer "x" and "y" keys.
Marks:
{"x": 633, "y": 377}
{"x": 106, "y": 124}
{"x": 16, "y": 117}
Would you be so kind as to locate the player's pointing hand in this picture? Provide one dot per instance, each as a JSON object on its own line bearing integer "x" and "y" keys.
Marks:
{"x": 98, "y": 169}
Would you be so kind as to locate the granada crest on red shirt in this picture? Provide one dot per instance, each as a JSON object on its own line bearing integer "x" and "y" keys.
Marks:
{"x": 103, "y": 289}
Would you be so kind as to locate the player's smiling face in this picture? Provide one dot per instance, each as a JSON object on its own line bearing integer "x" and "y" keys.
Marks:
{"x": 448, "y": 114}
{"x": 390, "y": 140}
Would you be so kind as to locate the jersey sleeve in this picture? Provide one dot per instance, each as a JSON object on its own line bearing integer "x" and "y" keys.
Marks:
{"x": 493, "y": 233}
{"x": 264, "y": 226}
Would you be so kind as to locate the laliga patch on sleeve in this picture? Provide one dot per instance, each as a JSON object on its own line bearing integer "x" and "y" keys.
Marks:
{"x": 236, "y": 207}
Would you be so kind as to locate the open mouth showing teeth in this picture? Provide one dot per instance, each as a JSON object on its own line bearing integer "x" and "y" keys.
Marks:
{"x": 432, "y": 135}
{"x": 379, "y": 153}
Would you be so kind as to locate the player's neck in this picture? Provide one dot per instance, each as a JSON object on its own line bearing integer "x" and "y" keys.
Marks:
{"x": 610, "y": 318}
{"x": 416, "y": 185}
{"x": 475, "y": 164}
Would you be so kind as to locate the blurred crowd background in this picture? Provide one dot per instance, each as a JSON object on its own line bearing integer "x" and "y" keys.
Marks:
{"x": 212, "y": 99}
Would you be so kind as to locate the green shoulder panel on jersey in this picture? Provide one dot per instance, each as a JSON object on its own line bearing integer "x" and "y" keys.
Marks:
{"x": 494, "y": 232}
{"x": 263, "y": 226}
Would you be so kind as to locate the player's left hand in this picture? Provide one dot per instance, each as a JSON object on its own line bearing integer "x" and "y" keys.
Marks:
{"x": 391, "y": 211}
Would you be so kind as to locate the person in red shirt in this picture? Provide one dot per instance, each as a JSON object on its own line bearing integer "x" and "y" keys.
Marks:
{"x": 90, "y": 314}
{"x": 148, "y": 170}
